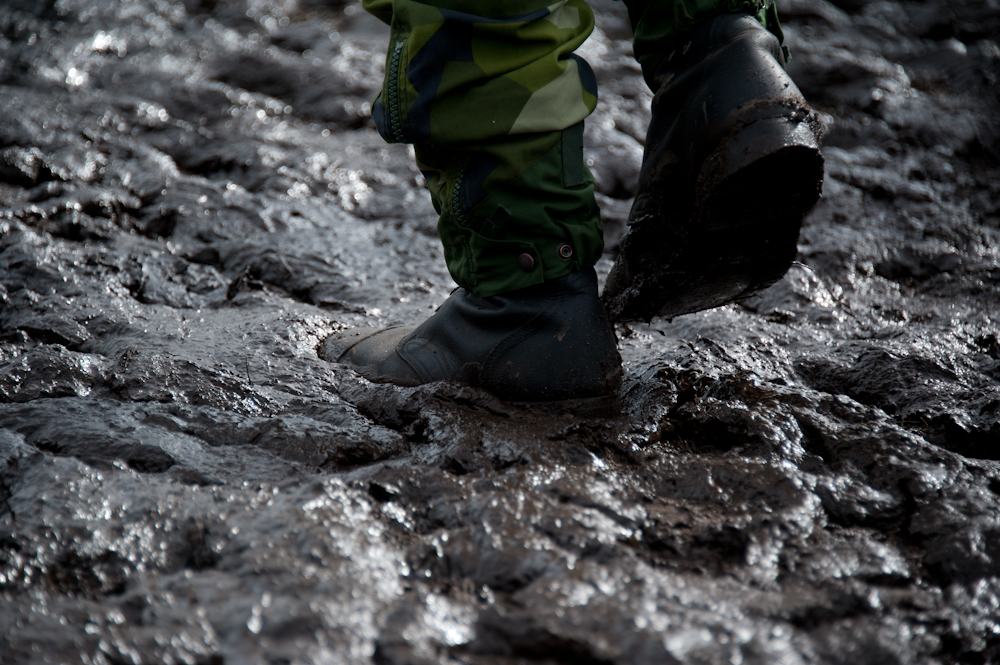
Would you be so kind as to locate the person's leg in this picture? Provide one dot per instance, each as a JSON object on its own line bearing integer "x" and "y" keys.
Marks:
{"x": 731, "y": 162}
{"x": 493, "y": 101}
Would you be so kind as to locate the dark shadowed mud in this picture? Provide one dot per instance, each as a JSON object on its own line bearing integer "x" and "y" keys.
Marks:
{"x": 192, "y": 197}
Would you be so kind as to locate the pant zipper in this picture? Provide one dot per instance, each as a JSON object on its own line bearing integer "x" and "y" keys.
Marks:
{"x": 395, "y": 123}
{"x": 456, "y": 199}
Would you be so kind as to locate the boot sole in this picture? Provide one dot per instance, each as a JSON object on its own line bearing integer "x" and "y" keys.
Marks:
{"x": 735, "y": 246}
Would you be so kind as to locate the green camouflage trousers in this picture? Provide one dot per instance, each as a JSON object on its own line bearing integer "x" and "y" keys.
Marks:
{"x": 493, "y": 99}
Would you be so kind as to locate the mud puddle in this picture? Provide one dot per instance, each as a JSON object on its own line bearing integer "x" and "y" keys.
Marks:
{"x": 192, "y": 197}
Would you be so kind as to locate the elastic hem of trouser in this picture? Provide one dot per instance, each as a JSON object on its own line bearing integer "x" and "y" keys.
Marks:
{"x": 530, "y": 230}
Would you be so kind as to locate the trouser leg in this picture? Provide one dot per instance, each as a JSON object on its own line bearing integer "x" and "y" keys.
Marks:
{"x": 493, "y": 100}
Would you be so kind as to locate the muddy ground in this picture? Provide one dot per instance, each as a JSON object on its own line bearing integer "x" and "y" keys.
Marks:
{"x": 192, "y": 196}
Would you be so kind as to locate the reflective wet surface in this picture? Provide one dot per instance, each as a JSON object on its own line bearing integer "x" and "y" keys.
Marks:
{"x": 192, "y": 197}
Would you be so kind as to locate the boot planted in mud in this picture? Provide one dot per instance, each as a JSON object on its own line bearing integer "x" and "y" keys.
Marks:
{"x": 550, "y": 345}
{"x": 732, "y": 165}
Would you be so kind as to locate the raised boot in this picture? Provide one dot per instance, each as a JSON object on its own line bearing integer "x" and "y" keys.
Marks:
{"x": 550, "y": 344}
{"x": 731, "y": 166}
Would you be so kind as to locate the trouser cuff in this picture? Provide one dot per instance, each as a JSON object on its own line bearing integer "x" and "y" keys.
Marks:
{"x": 539, "y": 226}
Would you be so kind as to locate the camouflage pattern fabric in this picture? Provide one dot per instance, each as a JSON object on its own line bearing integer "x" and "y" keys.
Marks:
{"x": 493, "y": 99}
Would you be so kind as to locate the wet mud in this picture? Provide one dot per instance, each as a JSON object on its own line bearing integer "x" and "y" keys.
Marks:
{"x": 192, "y": 196}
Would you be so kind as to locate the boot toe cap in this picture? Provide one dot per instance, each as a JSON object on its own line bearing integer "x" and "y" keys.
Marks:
{"x": 336, "y": 346}
{"x": 371, "y": 352}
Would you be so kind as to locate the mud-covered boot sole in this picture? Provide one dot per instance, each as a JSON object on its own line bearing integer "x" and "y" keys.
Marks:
{"x": 741, "y": 238}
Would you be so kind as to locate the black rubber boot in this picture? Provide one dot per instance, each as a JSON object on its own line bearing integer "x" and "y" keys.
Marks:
{"x": 732, "y": 165}
{"x": 550, "y": 344}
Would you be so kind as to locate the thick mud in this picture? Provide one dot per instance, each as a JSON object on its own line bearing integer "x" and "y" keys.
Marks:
{"x": 192, "y": 196}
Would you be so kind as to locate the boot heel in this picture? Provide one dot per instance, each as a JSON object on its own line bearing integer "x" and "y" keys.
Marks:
{"x": 767, "y": 179}
{"x": 755, "y": 190}
{"x": 790, "y": 137}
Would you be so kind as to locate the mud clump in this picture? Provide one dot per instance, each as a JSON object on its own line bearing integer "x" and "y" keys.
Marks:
{"x": 192, "y": 197}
